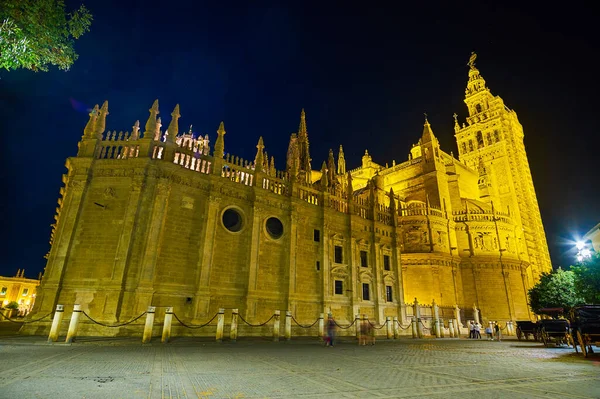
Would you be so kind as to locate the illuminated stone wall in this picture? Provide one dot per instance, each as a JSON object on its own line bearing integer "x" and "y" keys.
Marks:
{"x": 159, "y": 219}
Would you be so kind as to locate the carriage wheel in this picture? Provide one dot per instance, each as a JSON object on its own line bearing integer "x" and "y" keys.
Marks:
{"x": 582, "y": 343}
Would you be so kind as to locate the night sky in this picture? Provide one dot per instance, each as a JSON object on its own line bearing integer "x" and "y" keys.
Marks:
{"x": 364, "y": 76}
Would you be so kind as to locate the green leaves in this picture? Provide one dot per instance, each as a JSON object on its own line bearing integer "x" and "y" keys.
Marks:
{"x": 555, "y": 290}
{"x": 36, "y": 34}
{"x": 587, "y": 278}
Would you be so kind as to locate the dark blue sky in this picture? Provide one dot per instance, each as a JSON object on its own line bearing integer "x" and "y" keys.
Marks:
{"x": 364, "y": 75}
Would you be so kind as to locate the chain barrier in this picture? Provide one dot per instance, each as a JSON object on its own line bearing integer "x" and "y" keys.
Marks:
{"x": 428, "y": 329}
{"x": 112, "y": 325}
{"x": 26, "y": 322}
{"x": 200, "y": 326}
{"x": 344, "y": 328}
{"x": 255, "y": 325}
{"x": 377, "y": 328}
{"x": 400, "y": 325}
{"x": 300, "y": 325}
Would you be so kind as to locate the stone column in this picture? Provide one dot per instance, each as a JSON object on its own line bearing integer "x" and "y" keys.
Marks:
{"x": 436, "y": 319}
{"x": 166, "y": 333}
{"x": 396, "y": 333}
{"x": 415, "y": 331}
{"x": 251, "y": 298}
{"x": 388, "y": 325}
{"x": 148, "y": 326}
{"x": 417, "y": 313}
{"x": 378, "y": 280}
{"x": 201, "y": 301}
{"x": 145, "y": 289}
{"x": 72, "y": 333}
{"x": 234, "y": 325}
{"x": 291, "y": 289}
{"x": 220, "y": 324}
{"x": 55, "y": 329}
{"x": 288, "y": 325}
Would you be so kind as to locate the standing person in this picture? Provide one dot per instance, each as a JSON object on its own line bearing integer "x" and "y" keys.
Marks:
{"x": 330, "y": 338}
{"x": 477, "y": 331}
{"x": 497, "y": 330}
{"x": 364, "y": 330}
{"x": 488, "y": 331}
{"x": 471, "y": 330}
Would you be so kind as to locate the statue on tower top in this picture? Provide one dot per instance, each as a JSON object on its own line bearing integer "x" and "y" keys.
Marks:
{"x": 472, "y": 59}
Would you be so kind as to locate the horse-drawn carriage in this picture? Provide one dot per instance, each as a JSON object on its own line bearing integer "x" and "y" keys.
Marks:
{"x": 525, "y": 328}
{"x": 585, "y": 325}
{"x": 555, "y": 331}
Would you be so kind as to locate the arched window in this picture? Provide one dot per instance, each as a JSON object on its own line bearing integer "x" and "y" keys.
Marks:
{"x": 479, "y": 140}
{"x": 489, "y": 137}
{"x": 478, "y": 108}
{"x": 470, "y": 145}
{"x": 464, "y": 147}
{"x": 496, "y": 136}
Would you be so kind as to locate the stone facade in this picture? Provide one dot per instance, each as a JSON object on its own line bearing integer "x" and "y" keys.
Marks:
{"x": 18, "y": 289}
{"x": 160, "y": 219}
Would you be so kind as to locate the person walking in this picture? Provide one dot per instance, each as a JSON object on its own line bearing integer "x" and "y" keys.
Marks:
{"x": 497, "y": 331}
{"x": 471, "y": 330}
{"x": 488, "y": 331}
{"x": 477, "y": 331}
{"x": 330, "y": 338}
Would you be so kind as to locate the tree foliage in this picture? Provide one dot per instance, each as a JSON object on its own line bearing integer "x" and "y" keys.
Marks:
{"x": 555, "y": 290}
{"x": 35, "y": 34}
{"x": 587, "y": 278}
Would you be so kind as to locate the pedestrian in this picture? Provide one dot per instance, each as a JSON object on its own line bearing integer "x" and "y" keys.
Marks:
{"x": 364, "y": 331}
{"x": 477, "y": 331}
{"x": 497, "y": 330}
{"x": 330, "y": 338}
{"x": 488, "y": 331}
{"x": 471, "y": 330}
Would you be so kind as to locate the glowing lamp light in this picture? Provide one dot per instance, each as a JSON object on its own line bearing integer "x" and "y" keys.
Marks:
{"x": 580, "y": 245}
{"x": 586, "y": 253}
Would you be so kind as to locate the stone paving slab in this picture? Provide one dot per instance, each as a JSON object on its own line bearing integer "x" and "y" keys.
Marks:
{"x": 302, "y": 368}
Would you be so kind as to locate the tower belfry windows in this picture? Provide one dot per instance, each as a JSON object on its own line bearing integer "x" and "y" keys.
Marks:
{"x": 479, "y": 140}
{"x": 478, "y": 108}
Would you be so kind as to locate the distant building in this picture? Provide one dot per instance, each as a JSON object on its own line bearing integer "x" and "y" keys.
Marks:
{"x": 19, "y": 289}
{"x": 594, "y": 236}
{"x": 159, "y": 219}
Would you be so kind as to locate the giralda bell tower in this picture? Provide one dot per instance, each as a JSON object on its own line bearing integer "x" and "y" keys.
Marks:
{"x": 493, "y": 138}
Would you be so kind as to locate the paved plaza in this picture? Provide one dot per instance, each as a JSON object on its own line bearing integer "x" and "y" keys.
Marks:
{"x": 302, "y": 368}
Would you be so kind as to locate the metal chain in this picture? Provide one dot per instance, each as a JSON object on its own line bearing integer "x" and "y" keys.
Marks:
{"x": 424, "y": 325}
{"x": 255, "y": 325}
{"x": 295, "y": 321}
{"x": 343, "y": 328}
{"x": 112, "y": 325}
{"x": 26, "y": 322}
{"x": 200, "y": 326}
{"x": 377, "y": 328}
{"x": 403, "y": 328}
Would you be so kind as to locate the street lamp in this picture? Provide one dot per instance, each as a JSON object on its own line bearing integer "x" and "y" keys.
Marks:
{"x": 583, "y": 252}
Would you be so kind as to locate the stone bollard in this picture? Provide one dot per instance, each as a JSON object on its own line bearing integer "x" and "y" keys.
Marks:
{"x": 234, "y": 325}
{"x": 220, "y": 324}
{"x": 413, "y": 322}
{"x": 419, "y": 328}
{"x": 357, "y": 326}
{"x": 166, "y": 334}
{"x": 321, "y": 325}
{"x": 512, "y": 328}
{"x": 73, "y": 324}
{"x": 55, "y": 329}
{"x": 388, "y": 324}
{"x": 436, "y": 319}
{"x": 148, "y": 326}
{"x": 276, "y": 326}
{"x": 395, "y": 321}
{"x": 451, "y": 328}
{"x": 288, "y": 325}
{"x": 442, "y": 328}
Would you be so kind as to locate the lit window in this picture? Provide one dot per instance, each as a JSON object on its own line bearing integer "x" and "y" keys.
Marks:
{"x": 3, "y": 291}
{"x": 388, "y": 294}
{"x": 25, "y": 291}
{"x": 366, "y": 296}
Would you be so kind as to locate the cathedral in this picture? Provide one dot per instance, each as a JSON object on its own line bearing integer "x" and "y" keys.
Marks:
{"x": 160, "y": 218}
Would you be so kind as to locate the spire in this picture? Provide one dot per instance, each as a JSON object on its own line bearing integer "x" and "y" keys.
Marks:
{"x": 259, "y": 160}
{"x": 476, "y": 82}
{"x": 456, "y": 125}
{"x": 266, "y": 162}
{"x": 293, "y": 159}
{"x": 88, "y": 132}
{"x": 324, "y": 180}
{"x": 272, "y": 170}
{"x": 302, "y": 127}
{"x": 135, "y": 133}
{"x": 173, "y": 129}
{"x": 190, "y": 131}
{"x": 427, "y": 135}
{"x": 101, "y": 121}
{"x": 331, "y": 167}
{"x": 220, "y": 143}
{"x": 304, "y": 153}
{"x": 151, "y": 125}
{"x": 341, "y": 168}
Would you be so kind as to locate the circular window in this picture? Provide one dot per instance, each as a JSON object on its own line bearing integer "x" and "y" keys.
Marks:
{"x": 232, "y": 220}
{"x": 274, "y": 227}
